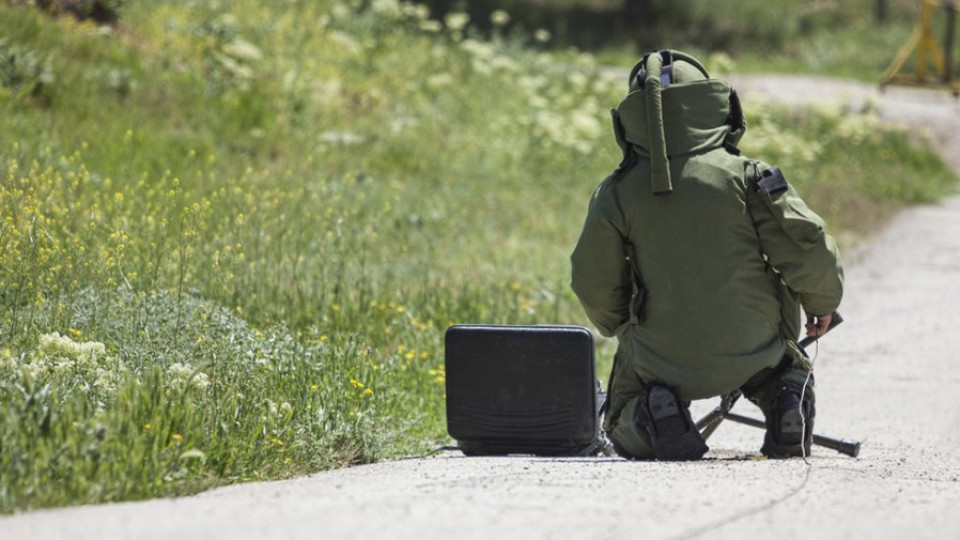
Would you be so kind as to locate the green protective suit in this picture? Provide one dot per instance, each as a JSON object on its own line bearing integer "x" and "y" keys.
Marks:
{"x": 724, "y": 264}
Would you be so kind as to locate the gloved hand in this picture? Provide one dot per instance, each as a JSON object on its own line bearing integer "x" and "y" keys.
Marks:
{"x": 817, "y": 325}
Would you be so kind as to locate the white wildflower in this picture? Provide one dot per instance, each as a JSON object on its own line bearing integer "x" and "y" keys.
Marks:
{"x": 457, "y": 21}
{"x": 430, "y": 25}
{"x": 182, "y": 376}
{"x": 504, "y": 63}
{"x": 272, "y": 409}
{"x": 478, "y": 49}
{"x": 348, "y": 42}
{"x": 482, "y": 67}
{"x": 605, "y": 85}
{"x": 499, "y": 18}
{"x": 401, "y": 122}
{"x": 33, "y": 369}
{"x": 341, "y": 137}
{"x": 193, "y": 453}
{"x": 537, "y": 101}
{"x": 577, "y": 79}
{"x": 415, "y": 11}
{"x": 550, "y": 123}
{"x": 439, "y": 80}
{"x": 532, "y": 83}
{"x": 585, "y": 124}
{"x": 328, "y": 91}
{"x": 857, "y": 127}
{"x": 341, "y": 11}
{"x": 242, "y": 49}
{"x": 386, "y": 8}
{"x": 108, "y": 380}
{"x": 54, "y": 344}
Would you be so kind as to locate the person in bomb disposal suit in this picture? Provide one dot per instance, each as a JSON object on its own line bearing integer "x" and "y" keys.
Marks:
{"x": 698, "y": 259}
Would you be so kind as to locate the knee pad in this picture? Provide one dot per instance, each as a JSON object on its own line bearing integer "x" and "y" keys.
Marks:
{"x": 789, "y": 423}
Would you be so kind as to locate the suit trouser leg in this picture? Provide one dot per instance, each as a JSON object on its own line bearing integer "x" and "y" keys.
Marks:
{"x": 629, "y": 439}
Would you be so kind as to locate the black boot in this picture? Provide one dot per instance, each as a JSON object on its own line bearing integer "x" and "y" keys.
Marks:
{"x": 667, "y": 420}
{"x": 789, "y": 425}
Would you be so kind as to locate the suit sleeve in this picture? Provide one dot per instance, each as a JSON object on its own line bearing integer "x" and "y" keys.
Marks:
{"x": 795, "y": 243}
{"x": 600, "y": 276}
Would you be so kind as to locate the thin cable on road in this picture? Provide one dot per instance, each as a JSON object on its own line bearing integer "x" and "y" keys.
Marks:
{"x": 713, "y": 525}
{"x": 769, "y": 505}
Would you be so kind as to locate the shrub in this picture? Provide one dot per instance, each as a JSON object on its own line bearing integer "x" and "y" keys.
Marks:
{"x": 100, "y": 11}
{"x": 24, "y": 71}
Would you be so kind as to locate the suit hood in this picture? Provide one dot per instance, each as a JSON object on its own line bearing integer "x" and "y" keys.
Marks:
{"x": 673, "y": 109}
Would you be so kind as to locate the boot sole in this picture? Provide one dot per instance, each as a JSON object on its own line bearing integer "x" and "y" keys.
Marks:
{"x": 675, "y": 438}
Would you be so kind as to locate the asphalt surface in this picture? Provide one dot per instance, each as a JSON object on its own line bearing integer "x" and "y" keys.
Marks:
{"x": 887, "y": 377}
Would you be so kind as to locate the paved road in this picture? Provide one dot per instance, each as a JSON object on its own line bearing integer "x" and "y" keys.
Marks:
{"x": 889, "y": 377}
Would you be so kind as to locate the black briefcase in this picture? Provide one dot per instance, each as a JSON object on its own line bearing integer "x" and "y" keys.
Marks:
{"x": 521, "y": 390}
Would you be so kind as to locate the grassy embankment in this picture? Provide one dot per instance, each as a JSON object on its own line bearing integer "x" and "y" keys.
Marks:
{"x": 231, "y": 237}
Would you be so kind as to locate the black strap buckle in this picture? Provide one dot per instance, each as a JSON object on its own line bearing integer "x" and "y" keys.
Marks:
{"x": 772, "y": 181}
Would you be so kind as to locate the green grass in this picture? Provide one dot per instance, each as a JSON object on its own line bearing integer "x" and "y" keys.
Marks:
{"x": 839, "y": 39}
{"x": 231, "y": 238}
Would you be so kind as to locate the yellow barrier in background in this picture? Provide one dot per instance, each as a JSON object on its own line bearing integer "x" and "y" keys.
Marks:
{"x": 924, "y": 45}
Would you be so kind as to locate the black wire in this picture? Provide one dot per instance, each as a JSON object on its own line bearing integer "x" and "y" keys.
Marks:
{"x": 433, "y": 452}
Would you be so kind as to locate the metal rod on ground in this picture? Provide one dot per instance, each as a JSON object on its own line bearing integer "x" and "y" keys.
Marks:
{"x": 844, "y": 446}
{"x": 709, "y": 423}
